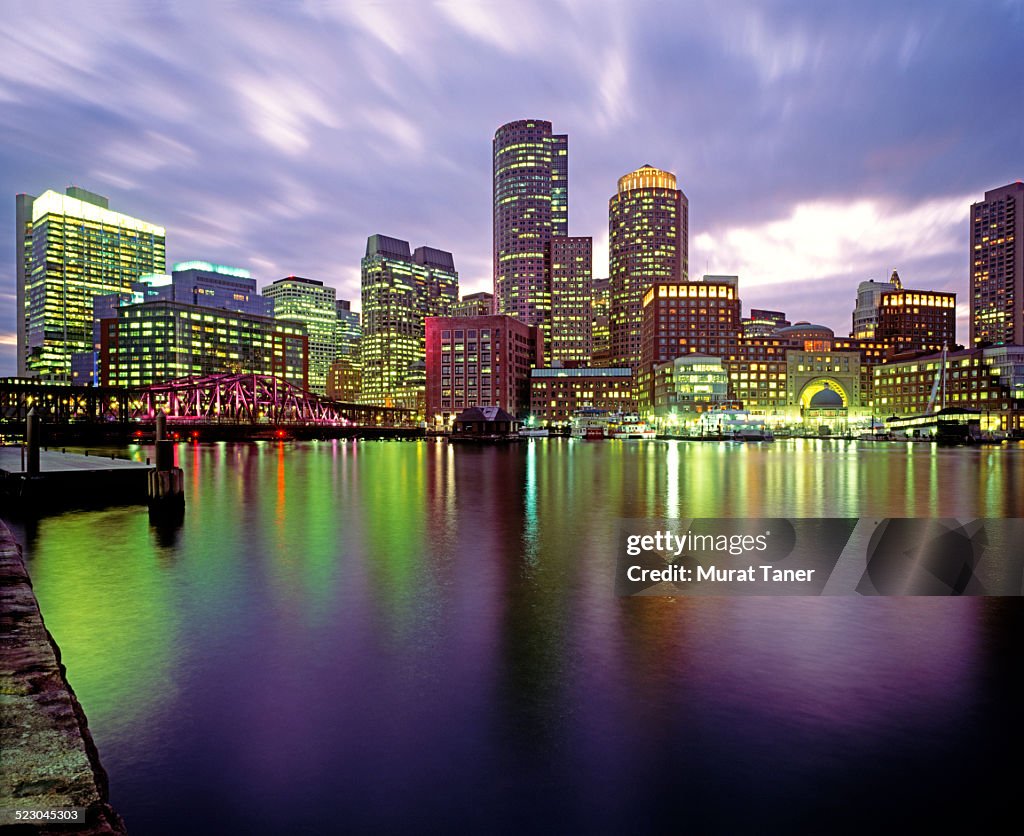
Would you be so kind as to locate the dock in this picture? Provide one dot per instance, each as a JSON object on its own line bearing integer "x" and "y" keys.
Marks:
{"x": 71, "y": 479}
{"x": 48, "y": 760}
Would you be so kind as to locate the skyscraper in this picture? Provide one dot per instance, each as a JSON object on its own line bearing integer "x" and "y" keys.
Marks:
{"x": 71, "y": 248}
{"x": 647, "y": 243}
{"x": 311, "y": 303}
{"x": 399, "y": 290}
{"x": 568, "y": 264}
{"x": 531, "y": 205}
{"x": 997, "y": 267}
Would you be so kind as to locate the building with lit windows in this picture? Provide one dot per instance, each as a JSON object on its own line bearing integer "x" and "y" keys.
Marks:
{"x": 474, "y": 304}
{"x": 688, "y": 385}
{"x": 647, "y": 244}
{"x": 865, "y": 312}
{"x": 685, "y": 318}
{"x": 157, "y": 341}
{"x": 72, "y": 248}
{"x": 557, "y": 393}
{"x": 191, "y": 282}
{"x": 313, "y": 305}
{"x": 757, "y": 374}
{"x": 568, "y": 263}
{"x": 531, "y": 205}
{"x": 916, "y": 320}
{"x": 990, "y": 380}
{"x": 762, "y": 323}
{"x": 826, "y": 388}
{"x": 600, "y": 304}
{"x": 344, "y": 375}
{"x": 997, "y": 267}
{"x": 400, "y": 289}
{"x": 350, "y": 330}
{"x": 479, "y": 361}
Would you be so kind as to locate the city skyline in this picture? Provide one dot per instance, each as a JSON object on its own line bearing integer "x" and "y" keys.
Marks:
{"x": 816, "y": 150}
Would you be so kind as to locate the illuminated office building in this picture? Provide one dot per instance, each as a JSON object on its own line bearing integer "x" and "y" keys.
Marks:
{"x": 313, "y": 305}
{"x": 686, "y": 318}
{"x": 762, "y": 323}
{"x": 647, "y": 243}
{"x": 531, "y": 206}
{"x": 865, "y": 314}
{"x": 400, "y": 289}
{"x": 568, "y": 264}
{"x": 474, "y": 304}
{"x": 72, "y": 248}
{"x": 916, "y": 320}
{"x": 997, "y": 267}
{"x": 161, "y": 340}
{"x": 600, "y": 301}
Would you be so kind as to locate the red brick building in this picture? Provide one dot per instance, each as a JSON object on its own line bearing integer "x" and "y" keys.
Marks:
{"x": 479, "y": 361}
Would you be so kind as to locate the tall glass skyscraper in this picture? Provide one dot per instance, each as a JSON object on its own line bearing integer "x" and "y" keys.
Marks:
{"x": 647, "y": 243}
{"x": 399, "y": 290}
{"x": 531, "y": 205}
{"x": 72, "y": 248}
{"x": 312, "y": 304}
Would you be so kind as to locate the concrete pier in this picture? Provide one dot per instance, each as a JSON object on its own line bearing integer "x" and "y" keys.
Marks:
{"x": 48, "y": 760}
{"x": 69, "y": 479}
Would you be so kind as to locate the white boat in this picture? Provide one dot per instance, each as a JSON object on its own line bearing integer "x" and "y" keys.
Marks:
{"x": 631, "y": 426}
{"x": 729, "y": 424}
{"x": 534, "y": 432}
{"x": 590, "y": 424}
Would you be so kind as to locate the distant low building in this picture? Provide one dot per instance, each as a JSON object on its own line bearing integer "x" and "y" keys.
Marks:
{"x": 557, "y": 393}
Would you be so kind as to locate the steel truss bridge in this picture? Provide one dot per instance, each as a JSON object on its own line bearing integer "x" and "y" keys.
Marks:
{"x": 219, "y": 399}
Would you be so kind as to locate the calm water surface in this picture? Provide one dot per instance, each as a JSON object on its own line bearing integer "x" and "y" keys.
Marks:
{"x": 409, "y": 636}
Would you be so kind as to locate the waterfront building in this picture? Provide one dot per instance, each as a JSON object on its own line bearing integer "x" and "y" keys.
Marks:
{"x": 531, "y": 205}
{"x": 556, "y": 393}
{"x": 763, "y": 323}
{"x": 600, "y": 302}
{"x": 160, "y": 340}
{"x": 313, "y": 305}
{"x": 865, "y": 312}
{"x": 479, "y": 361}
{"x": 400, "y": 289}
{"x": 647, "y": 244}
{"x": 686, "y": 318}
{"x": 825, "y": 385}
{"x": 689, "y": 385}
{"x": 757, "y": 374}
{"x": 568, "y": 264}
{"x": 474, "y": 304}
{"x": 72, "y": 248}
{"x": 990, "y": 380}
{"x": 912, "y": 320}
{"x": 997, "y": 267}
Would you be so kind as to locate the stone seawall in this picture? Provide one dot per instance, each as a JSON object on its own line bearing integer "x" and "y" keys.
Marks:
{"x": 47, "y": 757}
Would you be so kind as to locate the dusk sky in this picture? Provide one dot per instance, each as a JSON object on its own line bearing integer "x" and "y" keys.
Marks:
{"x": 819, "y": 144}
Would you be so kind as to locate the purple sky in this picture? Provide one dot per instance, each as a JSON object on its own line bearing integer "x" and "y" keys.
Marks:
{"x": 819, "y": 144}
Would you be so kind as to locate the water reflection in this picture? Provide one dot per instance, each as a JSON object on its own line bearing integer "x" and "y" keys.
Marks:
{"x": 335, "y": 620}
